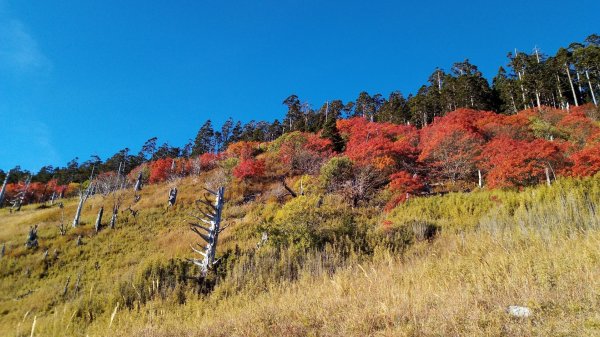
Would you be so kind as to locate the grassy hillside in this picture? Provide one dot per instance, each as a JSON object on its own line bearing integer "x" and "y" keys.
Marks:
{"x": 443, "y": 265}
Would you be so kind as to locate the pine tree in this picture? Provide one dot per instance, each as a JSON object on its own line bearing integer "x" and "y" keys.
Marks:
{"x": 331, "y": 132}
{"x": 204, "y": 139}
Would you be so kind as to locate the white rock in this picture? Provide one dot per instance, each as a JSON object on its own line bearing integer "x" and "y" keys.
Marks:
{"x": 517, "y": 311}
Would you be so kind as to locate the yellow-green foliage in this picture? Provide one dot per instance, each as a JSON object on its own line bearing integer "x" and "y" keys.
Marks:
{"x": 335, "y": 171}
{"x": 567, "y": 199}
{"x": 309, "y": 221}
{"x": 438, "y": 266}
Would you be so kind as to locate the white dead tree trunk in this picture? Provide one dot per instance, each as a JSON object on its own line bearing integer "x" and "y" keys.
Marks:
{"x": 172, "y": 196}
{"x": 99, "y": 220}
{"x": 3, "y": 190}
{"x": 587, "y": 75}
{"x": 571, "y": 83}
{"x": 83, "y": 196}
{"x": 20, "y": 197}
{"x": 480, "y": 178}
{"x": 548, "y": 180}
{"x": 138, "y": 182}
{"x": 209, "y": 234}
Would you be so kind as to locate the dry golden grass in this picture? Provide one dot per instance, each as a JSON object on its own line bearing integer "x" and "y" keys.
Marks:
{"x": 457, "y": 286}
{"x": 538, "y": 248}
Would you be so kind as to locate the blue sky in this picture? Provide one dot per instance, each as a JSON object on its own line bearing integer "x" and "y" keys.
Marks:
{"x": 91, "y": 77}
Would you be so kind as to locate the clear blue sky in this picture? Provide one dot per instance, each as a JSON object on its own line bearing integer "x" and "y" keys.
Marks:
{"x": 91, "y": 77}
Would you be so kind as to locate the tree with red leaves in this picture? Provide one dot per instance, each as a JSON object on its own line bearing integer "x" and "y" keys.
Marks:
{"x": 452, "y": 145}
{"x": 249, "y": 168}
{"x": 579, "y": 129}
{"x": 242, "y": 150}
{"x": 299, "y": 153}
{"x": 512, "y": 162}
{"x": 403, "y": 184}
{"x": 160, "y": 170}
{"x": 587, "y": 161}
{"x": 385, "y": 146}
{"x": 208, "y": 161}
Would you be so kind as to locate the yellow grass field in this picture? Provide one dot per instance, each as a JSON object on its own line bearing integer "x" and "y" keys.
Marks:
{"x": 538, "y": 248}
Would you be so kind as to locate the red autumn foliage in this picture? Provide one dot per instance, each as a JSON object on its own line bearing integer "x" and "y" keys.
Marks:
{"x": 403, "y": 184}
{"x": 492, "y": 125}
{"x": 249, "y": 168}
{"x": 452, "y": 144}
{"x": 512, "y": 162}
{"x": 299, "y": 153}
{"x": 242, "y": 150}
{"x": 160, "y": 170}
{"x": 319, "y": 145}
{"x": 385, "y": 146}
{"x": 587, "y": 161}
{"x": 579, "y": 129}
{"x": 208, "y": 161}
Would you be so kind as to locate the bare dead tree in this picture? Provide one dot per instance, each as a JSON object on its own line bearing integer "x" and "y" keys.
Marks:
{"x": 263, "y": 240}
{"x": 20, "y": 197}
{"x": 76, "y": 288}
{"x": 115, "y": 212}
{"x": 133, "y": 212}
{"x": 211, "y": 217}
{"x": 62, "y": 229}
{"x": 66, "y": 288}
{"x": 32, "y": 238}
{"x": 83, "y": 196}
{"x": 98, "y": 224}
{"x": 3, "y": 190}
{"x": 138, "y": 183}
{"x": 172, "y": 196}
{"x": 287, "y": 188}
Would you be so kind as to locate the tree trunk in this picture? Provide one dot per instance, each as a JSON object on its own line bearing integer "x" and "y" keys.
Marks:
{"x": 138, "y": 183}
{"x": 82, "y": 197}
{"x": 480, "y": 178}
{"x": 172, "y": 196}
{"x": 537, "y": 99}
{"x": 558, "y": 87}
{"x": 113, "y": 219}
{"x": 212, "y": 233}
{"x": 99, "y": 220}
{"x": 513, "y": 103}
{"x": 3, "y": 190}
{"x": 587, "y": 75}
{"x": 579, "y": 81}
{"x": 548, "y": 180}
{"x": 572, "y": 86}
{"x": 522, "y": 88}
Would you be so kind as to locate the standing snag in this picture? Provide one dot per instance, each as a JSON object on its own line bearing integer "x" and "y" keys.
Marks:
{"x": 3, "y": 190}
{"x": 98, "y": 224}
{"x": 83, "y": 196}
{"x": 138, "y": 182}
{"x": 113, "y": 218}
{"x": 20, "y": 197}
{"x": 172, "y": 196}
{"x": 212, "y": 218}
{"x": 61, "y": 227}
{"x": 32, "y": 241}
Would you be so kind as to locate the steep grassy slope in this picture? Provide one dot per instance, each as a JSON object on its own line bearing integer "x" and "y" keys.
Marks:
{"x": 332, "y": 271}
